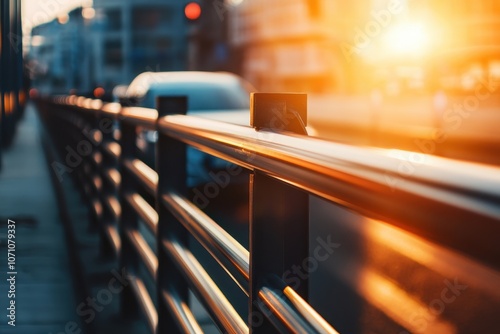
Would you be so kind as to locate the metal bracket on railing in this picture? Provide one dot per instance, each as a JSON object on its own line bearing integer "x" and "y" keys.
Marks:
{"x": 279, "y": 213}
{"x": 279, "y": 112}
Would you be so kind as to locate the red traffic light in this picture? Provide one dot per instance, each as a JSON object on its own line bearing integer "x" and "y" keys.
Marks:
{"x": 192, "y": 11}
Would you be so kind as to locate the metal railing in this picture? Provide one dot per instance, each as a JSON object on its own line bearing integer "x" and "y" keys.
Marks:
{"x": 119, "y": 187}
{"x": 126, "y": 196}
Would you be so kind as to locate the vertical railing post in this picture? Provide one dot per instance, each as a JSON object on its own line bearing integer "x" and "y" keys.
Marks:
{"x": 279, "y": 213}
{"x": 171, "y": 168}
{"x": 91, "y": 134}
{"x": 105, "y": 125}
{"x": 129, "y": 219}
{"x": 73, "y": 134}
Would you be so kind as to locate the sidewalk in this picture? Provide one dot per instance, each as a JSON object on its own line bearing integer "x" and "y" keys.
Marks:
{"x": 45, "y": 296}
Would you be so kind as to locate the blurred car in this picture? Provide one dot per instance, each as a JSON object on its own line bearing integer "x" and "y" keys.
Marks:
{"x": 206, "y": 91}
{"x": 211, "y": 95}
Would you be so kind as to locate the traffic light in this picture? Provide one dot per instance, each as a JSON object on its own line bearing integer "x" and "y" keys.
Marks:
{"x": 192, "y": 11}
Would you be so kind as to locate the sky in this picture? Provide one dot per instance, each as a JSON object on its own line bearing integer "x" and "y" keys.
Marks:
{"x": 36, "y": 12}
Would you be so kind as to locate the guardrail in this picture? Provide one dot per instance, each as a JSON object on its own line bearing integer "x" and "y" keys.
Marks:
{"x": 286, "y": 166}
{"x": 117, "y": 185}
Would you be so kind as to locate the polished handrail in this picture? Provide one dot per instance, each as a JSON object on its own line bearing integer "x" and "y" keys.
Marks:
{"x": 325, "y": 157}
{"x": 357, "y": 178}
{"x": 144, "y": 117}
{"x": 111, "y": 109}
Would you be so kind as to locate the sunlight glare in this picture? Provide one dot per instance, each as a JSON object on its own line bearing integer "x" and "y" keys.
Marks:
{"x": 407, "y": 38}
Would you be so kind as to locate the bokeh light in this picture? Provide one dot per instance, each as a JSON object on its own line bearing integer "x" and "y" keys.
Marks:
{"x": 192, "y": 11}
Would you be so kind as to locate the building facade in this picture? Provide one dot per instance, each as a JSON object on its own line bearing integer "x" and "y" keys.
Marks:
{"x": 335, "y": 46}
{"x": 293, "y": 44}
{"x": 58, "y": 54}
{"x": 135, "y": 36}
{"x": 110, "y": 44}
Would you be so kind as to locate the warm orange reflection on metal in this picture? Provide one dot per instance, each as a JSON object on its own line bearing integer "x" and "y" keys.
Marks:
{"x": 114, "y": 176}
{"x": 306, "y": 310}
{"x": 112, "y": 108}
{"x": 398, "y": 305}
{"x": 145, "y": 210}
{"x": 145, "y": 252}
{"x": 442, "y": 260}
{"x": 97, "y": 208}
{"x": 114, "y": 237}
{"x": 145, "y": 301}
{"x": 147, "y": 171}
{"x": 182, "y": 311}
{"x": 113, "y": 148}
{"x": 114, "y": 205}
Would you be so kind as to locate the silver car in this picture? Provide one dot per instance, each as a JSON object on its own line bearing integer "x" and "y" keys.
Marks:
{"x": 208, "y": 94}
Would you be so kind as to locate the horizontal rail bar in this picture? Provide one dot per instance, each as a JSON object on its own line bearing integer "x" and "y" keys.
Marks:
{"x": 144, "y": 210}
{"x": 228, "y": 252}
{"x": 96, "y": 183}
{"x": 114, "y": 176}
{"x": 181, "y": 312}
{"x": 147, "y": 176}
{"x": 144, "y": 117}
{"x": 359, "y": 178}
{"x": 287, "y": 308}
{"x": 96, "y": 105}
{"x": 216, "y": 304}
{"x": 145, "y": 252}
{"x": 97, "y": 159}
{"x": 114, "y": 206}
{"x": 97, "y": 208}
{"x": 112, "y": 149}
{"x": 112, "y": 109}
{"x": 145, "y": 301}
{"x": 114, "y": 238}
{"x": 325, "y": 157}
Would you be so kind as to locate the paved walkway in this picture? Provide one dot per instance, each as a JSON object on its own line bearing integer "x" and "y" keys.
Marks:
{"x": 44, "y": 297}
